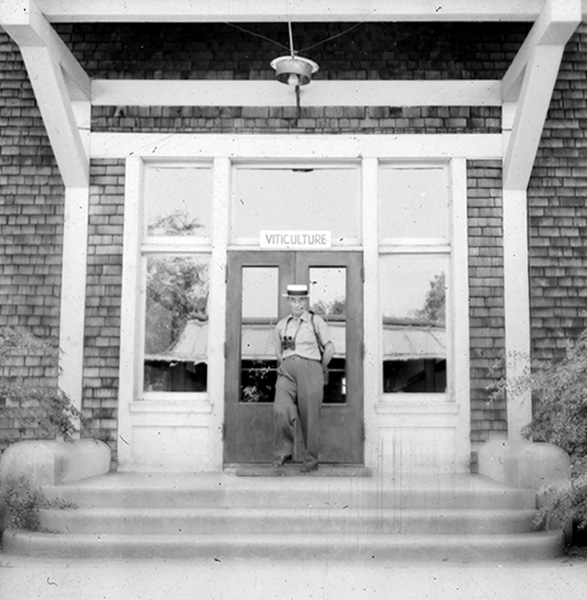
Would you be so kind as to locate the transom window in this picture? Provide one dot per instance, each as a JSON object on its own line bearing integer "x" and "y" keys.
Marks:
{"x": 296, "y": 197}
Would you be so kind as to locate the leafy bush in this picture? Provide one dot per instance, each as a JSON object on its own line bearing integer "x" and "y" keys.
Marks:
{"x": 563, "y": 503}
{"x": 559, "y": 391}
{"x": 21, "y": 503}
{"x": 42, "y": 407}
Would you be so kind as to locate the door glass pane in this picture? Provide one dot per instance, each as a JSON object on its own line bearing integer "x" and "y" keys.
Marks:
{"x": 413, "y": 301}
{"x": 260, "y": 307}
{"x": 296, "y": 199}
{"x": 178, "y": 200}
{"x": 176, "y": 324}
{"x": 413, "y": 203}
{"x": 328, "y": 299}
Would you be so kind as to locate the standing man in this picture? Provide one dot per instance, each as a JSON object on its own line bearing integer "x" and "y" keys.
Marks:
{"x": 304, "y": 349}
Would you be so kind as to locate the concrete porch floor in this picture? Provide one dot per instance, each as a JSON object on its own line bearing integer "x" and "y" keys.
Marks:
{"x": 235, "y": 579}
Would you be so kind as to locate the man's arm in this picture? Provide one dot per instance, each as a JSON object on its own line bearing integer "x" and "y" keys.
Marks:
{"x": 324, "y": 338}
{"x": 277, "y": 346}
{"x": 327, "y": 354}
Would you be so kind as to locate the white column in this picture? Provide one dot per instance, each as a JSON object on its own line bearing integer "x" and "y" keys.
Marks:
{"x": 129, "y": 327}
{"x": 73, "y": 293}
{"x": 459, "y": 295}
{"x": 517, "y": 306}
{"x": 217, "y": 308}
{"x": 372, "y": 371}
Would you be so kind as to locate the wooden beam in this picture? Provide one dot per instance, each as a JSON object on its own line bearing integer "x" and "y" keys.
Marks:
{"x": 56, "y": 108}
{"x": 539, "y": 80}
{"x": 28, "y": 27}
{"x": 538, "y": 63}
{"x": 156, "y": 11}
{"x": 554, "y": 26}
{"x": 271, "y": 146}
{"x": 272, "y": 93}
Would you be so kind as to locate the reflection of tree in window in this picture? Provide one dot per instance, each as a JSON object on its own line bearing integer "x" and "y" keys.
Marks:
{"x": 434, "y": 310}
{"x": 177, "y": 223}
{"x": 335, "y": 307}
{"x": 177, "y": 290}
{"x": 418, "y": 345}
{"x": 175, "y": 324}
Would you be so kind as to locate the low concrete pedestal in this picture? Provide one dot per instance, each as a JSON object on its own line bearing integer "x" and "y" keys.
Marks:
{"x": 51, "y": 462}
{"x": 524, "y": 464}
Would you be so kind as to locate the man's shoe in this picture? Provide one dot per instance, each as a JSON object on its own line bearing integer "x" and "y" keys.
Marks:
{"x": 279, "y": 462}
{"x": 307, "y": 467}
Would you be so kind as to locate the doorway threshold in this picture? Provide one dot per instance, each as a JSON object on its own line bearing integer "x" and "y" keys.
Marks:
{"x": 293, "y": 470}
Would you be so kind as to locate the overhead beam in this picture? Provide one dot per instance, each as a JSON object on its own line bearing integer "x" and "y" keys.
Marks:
{"x": 58, "y": 116}
{"x": 272, "y": 93}
{"x": 269, "y": 146}
{"x": 28, "y": 27}
{"x": 255, "y": 11}
{"x": 553, "y": 27}
{"x": 61, "y": 86}
{"x": 539, "y": 65}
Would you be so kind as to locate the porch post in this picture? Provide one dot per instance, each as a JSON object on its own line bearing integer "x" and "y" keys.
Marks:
{"x": 516, "y": 306}
{"x": 73, "y": 293}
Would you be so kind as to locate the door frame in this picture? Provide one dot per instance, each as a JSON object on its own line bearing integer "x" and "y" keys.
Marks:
{"x": 342, "y": 424}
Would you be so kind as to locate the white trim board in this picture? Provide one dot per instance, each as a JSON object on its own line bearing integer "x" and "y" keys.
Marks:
{"x": 242, "y": 147}
{"x": 318, "y": 93}
{"x": 295, "y": 10}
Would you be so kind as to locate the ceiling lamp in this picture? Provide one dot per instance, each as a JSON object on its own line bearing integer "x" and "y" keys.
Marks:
{"x": 293, "y": 70}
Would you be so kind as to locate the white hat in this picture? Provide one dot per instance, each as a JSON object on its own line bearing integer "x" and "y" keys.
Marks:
{"x": 297, "y": 291}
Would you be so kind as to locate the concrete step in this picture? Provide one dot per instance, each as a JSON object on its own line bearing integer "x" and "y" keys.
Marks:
{"x": 191, "y": 521}
{"x": 136, "y": 490}
{"x": 370, "y": 547}
{"x": 434, "y": 517}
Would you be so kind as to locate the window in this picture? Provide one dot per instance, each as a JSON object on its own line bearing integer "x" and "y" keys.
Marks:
{"x": 176, "y": 234}
{"x": 414, "y": 275}
{"x": 413, "y": 301}
{"x": 177, "y": 200}
{"x": 176, "y": 324}
{"x": 413, "y": 203}
{"x": 296, "y": 198}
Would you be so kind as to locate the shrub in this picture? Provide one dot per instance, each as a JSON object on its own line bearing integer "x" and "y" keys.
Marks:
{"x": 40, "y": 406}
{"x": 559, "y": 391}
{"x": 21, "y": 503}
{"x": 565, "y": 503}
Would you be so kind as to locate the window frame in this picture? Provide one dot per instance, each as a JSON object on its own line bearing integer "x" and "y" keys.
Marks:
{"x": 165, "y": 245}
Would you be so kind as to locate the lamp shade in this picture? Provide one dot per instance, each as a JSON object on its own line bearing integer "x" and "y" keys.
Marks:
{"x": 294, "y": 70}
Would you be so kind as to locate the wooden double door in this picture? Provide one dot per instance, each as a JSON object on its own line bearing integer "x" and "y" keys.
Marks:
{"x": 256, "y": 285}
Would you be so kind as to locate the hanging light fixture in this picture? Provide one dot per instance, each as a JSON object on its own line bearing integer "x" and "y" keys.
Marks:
{"x": 293, "y": 70}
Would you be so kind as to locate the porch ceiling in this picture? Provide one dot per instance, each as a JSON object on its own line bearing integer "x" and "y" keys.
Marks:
{"x": 65, "y": 93}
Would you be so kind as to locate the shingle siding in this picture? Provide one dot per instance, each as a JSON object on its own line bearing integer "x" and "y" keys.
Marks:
{"x": 314, "y": 120}
{"x": 557, "y": 205}
{"x": 486, "y": 296}
{"x": 31, "y": 196}
{"x": 103, "y": 293}
{"x": 31, "y": 233}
